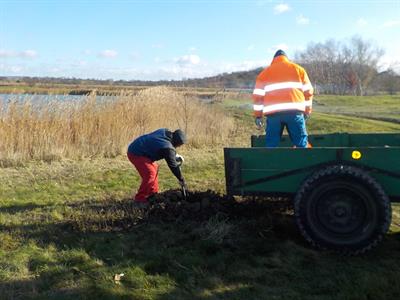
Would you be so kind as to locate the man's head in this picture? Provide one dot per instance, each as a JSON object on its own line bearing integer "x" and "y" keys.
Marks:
{"x": 178, "y": 138}
{"x": 279, "y": 53}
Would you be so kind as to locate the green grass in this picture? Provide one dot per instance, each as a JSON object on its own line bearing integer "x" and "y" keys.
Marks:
{"x": 224, "y": 257}
{"x": 380, "y": 107}
{"x": 65, "y": 232}
{"x": 328, "y": 123}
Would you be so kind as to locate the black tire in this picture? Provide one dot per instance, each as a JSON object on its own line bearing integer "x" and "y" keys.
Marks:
{"x": 342, "y": 208}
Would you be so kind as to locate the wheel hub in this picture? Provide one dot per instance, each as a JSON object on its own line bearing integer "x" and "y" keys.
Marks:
{"x": 339, "y": 212}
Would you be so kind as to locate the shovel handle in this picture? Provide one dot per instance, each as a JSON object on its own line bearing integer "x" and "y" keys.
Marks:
{"x": 184, "y": 192}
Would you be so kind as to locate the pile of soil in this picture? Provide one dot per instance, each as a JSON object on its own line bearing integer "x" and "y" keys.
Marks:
{"x": 171, "y": 206}
{"x": 200, "y": 205}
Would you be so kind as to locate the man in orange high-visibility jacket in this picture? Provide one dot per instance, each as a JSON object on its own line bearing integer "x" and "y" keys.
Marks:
{"x": 283, "y": 93}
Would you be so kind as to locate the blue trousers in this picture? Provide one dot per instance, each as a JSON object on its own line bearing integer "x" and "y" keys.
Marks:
{"x": 295, "y": 125}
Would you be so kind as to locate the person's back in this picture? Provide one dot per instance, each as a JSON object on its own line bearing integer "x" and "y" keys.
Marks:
{"x": 283, "y": 93}
{"x": 149, "y": 145}
{"x": 286, "y": 87}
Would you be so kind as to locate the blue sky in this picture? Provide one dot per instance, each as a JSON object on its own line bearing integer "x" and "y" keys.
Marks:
{"x": 151, "y": 40}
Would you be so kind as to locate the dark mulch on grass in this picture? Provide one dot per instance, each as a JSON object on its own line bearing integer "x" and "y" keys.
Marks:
{"x": 170, "y": 206}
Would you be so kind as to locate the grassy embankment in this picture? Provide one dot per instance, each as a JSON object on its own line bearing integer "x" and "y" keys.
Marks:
{"x": 255, "y": 255}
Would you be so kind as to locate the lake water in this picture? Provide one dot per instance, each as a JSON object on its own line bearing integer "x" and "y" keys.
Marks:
{"x": 37, "y": 98}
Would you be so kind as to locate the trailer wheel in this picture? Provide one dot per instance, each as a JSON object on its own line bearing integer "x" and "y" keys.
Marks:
{"x": 342, "y": 208}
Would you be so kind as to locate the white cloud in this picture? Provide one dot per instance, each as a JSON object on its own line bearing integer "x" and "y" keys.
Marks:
{"x": 28, "y": 54}
{"x": 56, "y": 70}
{"x": 192, "y": 49}
{"x": 391, "y": 23}
{"x": 362, "y": 22}
{"x": 240, "y": 66}
{"x": 302, "y": 20}
{"x": 16, "y": 69}
{"x": 5, "y": 53}
{"x": 108, "y": 53}
{"x": 11, "y": 69}
{"x": 251, "y": 47}
{"x": 281, "y": 8}
{"x": 190, "y": 59}
{"x": 21, "y": 54}
{"x": 79, "y": 63}
{"x": 168, "y": 70}
{"x": 178, "y": 72}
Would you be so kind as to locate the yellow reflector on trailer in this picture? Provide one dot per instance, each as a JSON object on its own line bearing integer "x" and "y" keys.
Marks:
{"x": 356, "y": 154}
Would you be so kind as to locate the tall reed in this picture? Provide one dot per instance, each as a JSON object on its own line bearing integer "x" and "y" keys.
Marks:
{"x": 91, "y": 127}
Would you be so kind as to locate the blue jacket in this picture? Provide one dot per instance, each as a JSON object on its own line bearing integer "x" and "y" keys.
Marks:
{"x": 149, "y": 145}
{"x": 155, "y": 146}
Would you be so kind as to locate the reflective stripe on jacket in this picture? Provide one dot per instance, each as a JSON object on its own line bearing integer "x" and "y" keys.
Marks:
{"x": 283, "y": 86}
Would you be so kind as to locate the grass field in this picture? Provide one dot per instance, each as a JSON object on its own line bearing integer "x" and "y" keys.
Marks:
{"x": 66, "y": 229}
{"x": 381, "y": 107}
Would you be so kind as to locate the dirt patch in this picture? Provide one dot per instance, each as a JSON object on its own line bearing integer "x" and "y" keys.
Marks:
{"x": 170, "y": 206}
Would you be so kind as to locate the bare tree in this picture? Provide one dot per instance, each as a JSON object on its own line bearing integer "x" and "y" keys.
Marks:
{"x": 340, "y": 68}
{"x": 389, "y": 81}
{"x": 365, "y": 58}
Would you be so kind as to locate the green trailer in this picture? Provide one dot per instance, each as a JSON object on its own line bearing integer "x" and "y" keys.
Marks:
{"x": 342, "y": 187}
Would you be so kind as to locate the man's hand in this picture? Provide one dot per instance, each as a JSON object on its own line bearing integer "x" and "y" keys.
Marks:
{"x": 259, "y": 122}
{"x": 306, "y": 117}
{"x": 179, "y": 159}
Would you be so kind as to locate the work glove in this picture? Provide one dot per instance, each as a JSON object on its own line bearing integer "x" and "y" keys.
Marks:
{"x": 306, "y": 117}
{"x": 179, "y": 159}
{"x": 259, "y": 122}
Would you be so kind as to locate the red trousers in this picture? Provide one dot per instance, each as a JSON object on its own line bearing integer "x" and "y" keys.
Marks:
{"x": 148, "y": 171}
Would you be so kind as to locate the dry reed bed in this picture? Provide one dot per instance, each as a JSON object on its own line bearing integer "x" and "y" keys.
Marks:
{"x": 87, "y": 128}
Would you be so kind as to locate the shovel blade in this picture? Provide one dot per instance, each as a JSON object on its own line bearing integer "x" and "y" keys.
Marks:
{"x": 184, "y": 193}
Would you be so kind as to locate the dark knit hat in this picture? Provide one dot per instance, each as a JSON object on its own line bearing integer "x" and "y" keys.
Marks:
{"x": 178, "y": 138}
{"x": 280, "y": 52}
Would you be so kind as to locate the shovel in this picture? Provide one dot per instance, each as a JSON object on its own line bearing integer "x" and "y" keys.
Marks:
{"x": 180, "y": 160}
{"x": 184, "y": 192}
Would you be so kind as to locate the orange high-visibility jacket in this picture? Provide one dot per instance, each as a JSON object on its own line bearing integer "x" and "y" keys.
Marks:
{"x": 283, "y": 86}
